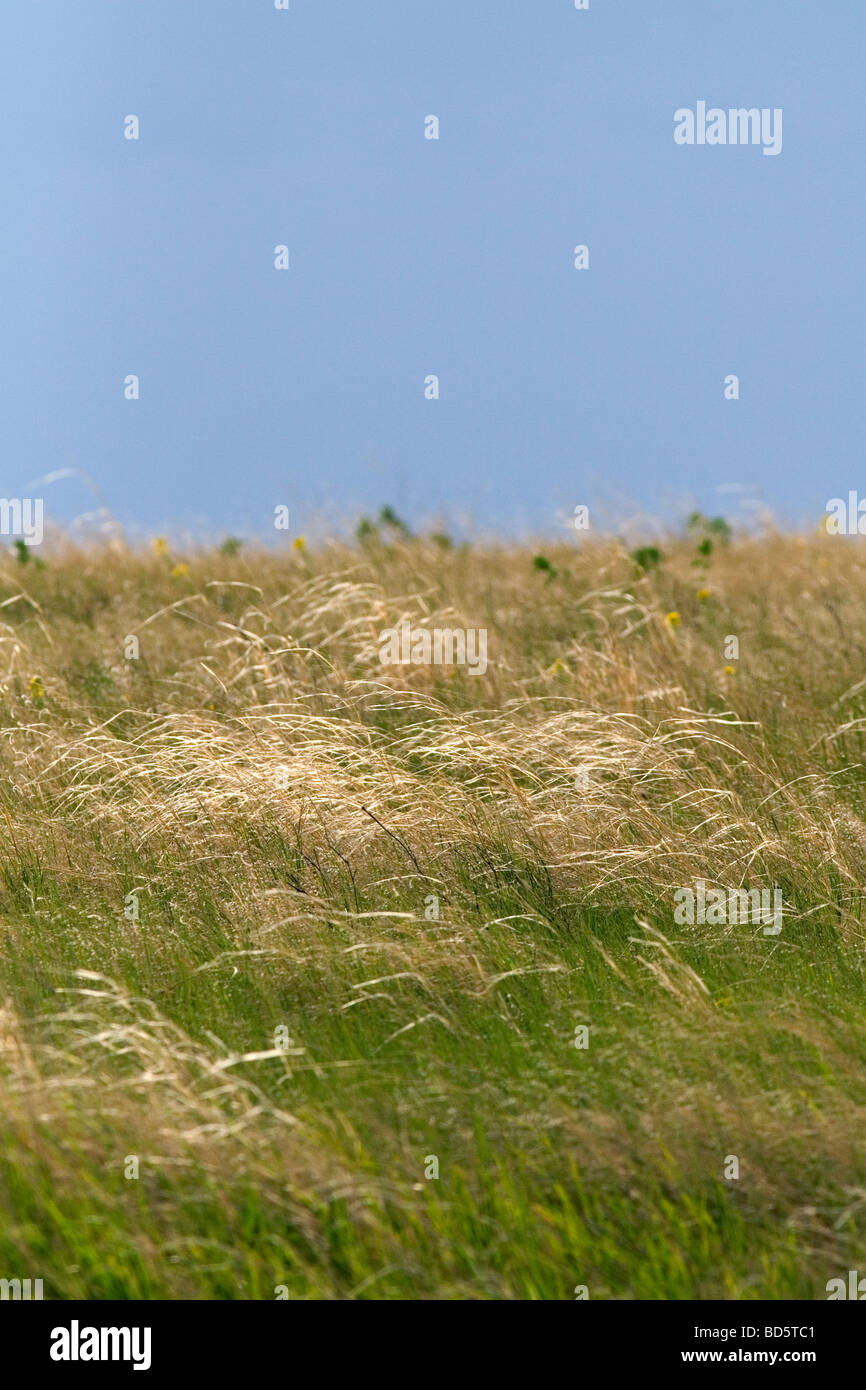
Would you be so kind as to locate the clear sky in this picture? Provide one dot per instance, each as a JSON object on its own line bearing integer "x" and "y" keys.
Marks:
{"x": 411, "y": 257}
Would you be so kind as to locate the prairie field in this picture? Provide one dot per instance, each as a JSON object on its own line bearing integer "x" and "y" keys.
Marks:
{"x": 324, "y": 978}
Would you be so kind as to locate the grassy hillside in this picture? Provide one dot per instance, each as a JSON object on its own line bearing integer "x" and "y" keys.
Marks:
{"x": 288, "y": 1036}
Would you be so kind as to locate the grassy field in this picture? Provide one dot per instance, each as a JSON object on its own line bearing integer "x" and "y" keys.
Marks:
{"x": 286, "y": 1040}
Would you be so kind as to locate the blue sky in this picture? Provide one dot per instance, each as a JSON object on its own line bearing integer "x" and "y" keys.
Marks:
{"x": 412, "y": 257}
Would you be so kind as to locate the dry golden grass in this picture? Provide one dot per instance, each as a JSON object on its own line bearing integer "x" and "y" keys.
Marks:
{"x": 283, "y": 807}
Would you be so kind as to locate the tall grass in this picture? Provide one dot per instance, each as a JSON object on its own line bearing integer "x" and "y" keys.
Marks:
{"x": 288, "y": 1035}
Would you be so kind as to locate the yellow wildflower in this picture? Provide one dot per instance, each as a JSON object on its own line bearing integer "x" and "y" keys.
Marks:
{"x": 298, "y": 543}
{"x": 37, "y": 689}
{"x": 160, "y": 545}
{"x": 703, "y": 595}
{"x": 179, "y": 571}
{"x": 673, "y": 619}
{"x": 730, "y": 670}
